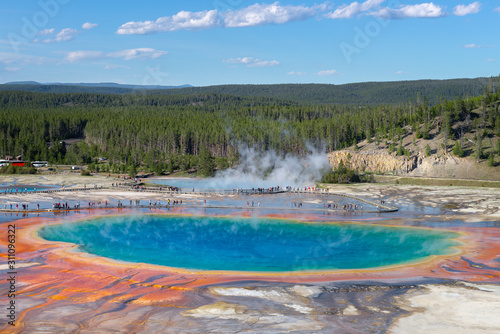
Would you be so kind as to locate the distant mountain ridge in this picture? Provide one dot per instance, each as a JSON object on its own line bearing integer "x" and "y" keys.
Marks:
{"x": 26, "y": 85}
{"x": 364, "y": 93}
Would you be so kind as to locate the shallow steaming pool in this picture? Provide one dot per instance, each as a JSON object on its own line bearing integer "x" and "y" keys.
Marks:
{"x": 250, "y": 244}
{"x": 240, "y": 182}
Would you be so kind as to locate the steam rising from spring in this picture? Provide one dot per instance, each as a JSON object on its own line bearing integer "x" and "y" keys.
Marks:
{"x": 269, "y": 169}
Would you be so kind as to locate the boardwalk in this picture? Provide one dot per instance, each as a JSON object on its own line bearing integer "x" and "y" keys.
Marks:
{"x": 382, "y": 207}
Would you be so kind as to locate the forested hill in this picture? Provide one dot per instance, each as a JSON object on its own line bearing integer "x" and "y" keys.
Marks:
{"x": 368, "y": 93}
{"x": 178, "y": 132}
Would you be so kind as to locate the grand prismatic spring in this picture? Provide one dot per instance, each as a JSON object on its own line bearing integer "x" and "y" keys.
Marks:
{"x": 250, "y": 244}
{"x": 302, "y": 260}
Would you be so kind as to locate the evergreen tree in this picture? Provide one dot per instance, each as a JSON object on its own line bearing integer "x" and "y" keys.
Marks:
{"x": 400, "y": 150}
{"x": 158, "y": 168}
{"x": 391, "y": 148}
{"x": 457, "y": 149}
{"x": 132, "y": 171}
{"x": 222, "y": 163}
{"x": 341, "y": 168}
{"x": 425, "y": 132}
{"x": 369, "y": 134}
{"x": 170, "y": 166}
{"x": 206, "y": 164}
{"x": 341, "y": 174}
{"x": 428, "y": 150}
{"x": 491, "y": 160}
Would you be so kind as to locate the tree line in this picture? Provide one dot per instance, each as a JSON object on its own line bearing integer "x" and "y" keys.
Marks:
{"x": 364, "y": 93}
{"x": 177, "y": 132}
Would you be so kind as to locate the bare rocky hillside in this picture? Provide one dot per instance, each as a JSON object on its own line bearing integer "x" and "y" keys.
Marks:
{"x": 375, "y": 158}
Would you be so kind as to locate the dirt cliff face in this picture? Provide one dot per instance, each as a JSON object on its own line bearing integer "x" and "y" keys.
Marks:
{"x": 453, "y": 167}
{"x": 448, "y": 166}
{"x": 375, "y": 161}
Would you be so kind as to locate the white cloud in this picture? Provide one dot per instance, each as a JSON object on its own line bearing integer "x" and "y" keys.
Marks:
{"x": 472, "y": 46}
{"x": 462, "y": 10}
{"x": 264, "y": 63}
{"x": 182, "y": 20}
{"x": 45, "y": 32}
{"x": 140, "y": 53}
{"x": 262, "y": 14}
{"x": 12, "y": 69}
{"x": 75, "y": 56}
{"x": 296, "y": 73}
{"x": 252, "y": 62}
{"x": 113, "y": 66}
{"x": 497, "y": 9}
{"x": 348, "y": 11}
{"x": 244, "y": 60}
{"x": 490, "y": 60}
{"x": 15, "y": 59}
{"x": 129, "y": 54}
{"x": 67, "y": 34}
{"x": 327, "y": 72}
{"x": 275, "y": 13}
{"x": 88, "y": 25}
{"x": 254, "y": 15}
{"x": 423, "y": 10}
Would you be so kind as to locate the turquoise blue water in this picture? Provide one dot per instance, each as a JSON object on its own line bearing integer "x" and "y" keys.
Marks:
{"x": 249, "y": 244}
{"x": 20, "y": 189}
{"x": 14, "y": 188}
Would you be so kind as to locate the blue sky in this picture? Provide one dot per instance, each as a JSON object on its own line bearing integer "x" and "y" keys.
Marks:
{"x": 246, "y": 42}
